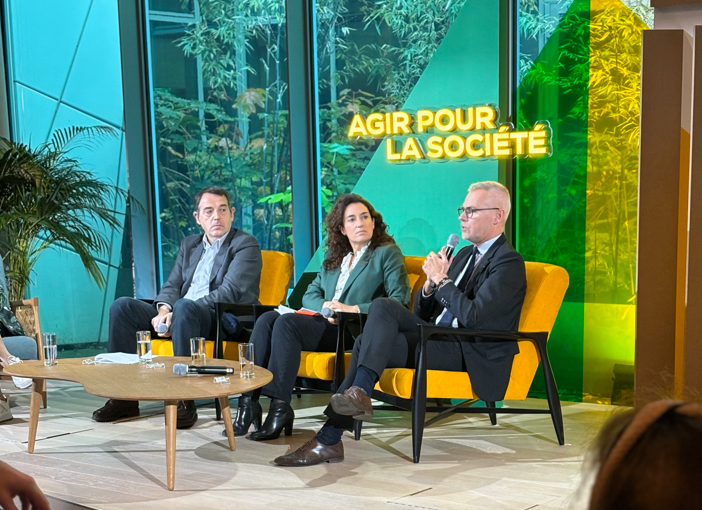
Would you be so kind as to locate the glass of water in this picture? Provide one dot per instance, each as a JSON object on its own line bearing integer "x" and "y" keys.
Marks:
{"x": 198, "y": 354}
{"x": 50, "y": 349}
{"x": 144, "y": 346}
{"x": 246, "y": 360}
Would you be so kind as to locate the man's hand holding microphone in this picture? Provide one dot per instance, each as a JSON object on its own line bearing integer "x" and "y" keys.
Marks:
{"x": 162, "y": 322}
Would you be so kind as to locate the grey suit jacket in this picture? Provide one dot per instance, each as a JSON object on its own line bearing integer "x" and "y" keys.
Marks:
{"x": 236, "y": 271}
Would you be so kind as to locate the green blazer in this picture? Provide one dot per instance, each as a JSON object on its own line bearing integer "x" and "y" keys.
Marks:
{"x": 379, "y": 273}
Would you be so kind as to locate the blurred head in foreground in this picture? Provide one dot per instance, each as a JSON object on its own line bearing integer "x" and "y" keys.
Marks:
{"x": 650, "y": 458}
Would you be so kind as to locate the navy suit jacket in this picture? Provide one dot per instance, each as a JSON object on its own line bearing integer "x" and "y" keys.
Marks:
{"x": 492, "y": 301}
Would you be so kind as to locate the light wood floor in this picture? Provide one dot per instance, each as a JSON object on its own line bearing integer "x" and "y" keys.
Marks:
{"x": 466, "y": 463}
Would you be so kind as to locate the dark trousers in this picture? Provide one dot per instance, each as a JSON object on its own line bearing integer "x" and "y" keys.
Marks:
{"x": 129, "y": 315}
{"x": 278, "y": 343}
{"x": 390, "y": 340}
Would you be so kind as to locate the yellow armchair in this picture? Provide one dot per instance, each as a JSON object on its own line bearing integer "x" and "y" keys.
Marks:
{"x": 273, "y": 289}
{"x": 409, "y": 388}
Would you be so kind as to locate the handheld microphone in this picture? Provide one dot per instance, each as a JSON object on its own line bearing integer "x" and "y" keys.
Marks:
{"x": 162, "y": 328}
{"x": 327, "y": 313}
{"x": 183, "y": 369}
{"x": 451, "y": 245}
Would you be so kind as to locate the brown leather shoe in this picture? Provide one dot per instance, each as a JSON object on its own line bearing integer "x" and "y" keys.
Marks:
{"x": 353, "y": 402}
{"x": 311, "y": 453}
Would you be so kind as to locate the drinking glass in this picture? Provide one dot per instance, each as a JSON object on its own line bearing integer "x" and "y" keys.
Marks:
{"x": 246, "y": 360}
{"x": 50, "y": 349}
{"x": 198, "y": 354}
{"x": 144, "y": 346}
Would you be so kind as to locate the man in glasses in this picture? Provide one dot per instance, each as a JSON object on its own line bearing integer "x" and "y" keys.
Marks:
{"x": 221, "y": 265}
{"x": 481, "y": 288}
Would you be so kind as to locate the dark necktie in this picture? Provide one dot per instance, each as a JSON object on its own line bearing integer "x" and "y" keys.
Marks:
{"x": 447, "y": 318}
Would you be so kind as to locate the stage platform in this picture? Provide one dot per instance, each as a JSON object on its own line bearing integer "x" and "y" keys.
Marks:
{"x": 466, "y": 463}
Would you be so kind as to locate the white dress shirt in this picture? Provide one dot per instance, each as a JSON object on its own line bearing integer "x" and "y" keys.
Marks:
{"x": 200, "y": 286}
{"x": 347, "y": 266}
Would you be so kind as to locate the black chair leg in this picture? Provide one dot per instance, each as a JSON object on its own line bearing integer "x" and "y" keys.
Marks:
{"x": 357, "y": 425}
{"x": 493, "y": 416}
{"x": 218, "y": 410}
{"x": 554, "y": 403}
{"x": 419, "y": 402}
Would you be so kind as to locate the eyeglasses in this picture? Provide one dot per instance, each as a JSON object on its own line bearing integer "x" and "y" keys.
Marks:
{"x": 469, "y": 211}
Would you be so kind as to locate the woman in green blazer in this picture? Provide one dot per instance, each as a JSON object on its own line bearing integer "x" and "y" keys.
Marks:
{"x": 362, "y": 262}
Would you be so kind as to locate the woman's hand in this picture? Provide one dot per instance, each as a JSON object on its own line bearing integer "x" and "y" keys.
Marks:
{"x": 436, "y": 267}
{"x": 341, "y": 307}
{"x": 336, "y": 306}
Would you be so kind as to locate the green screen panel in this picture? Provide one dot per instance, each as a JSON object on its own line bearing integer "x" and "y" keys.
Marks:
{"x": 551, "y": 193}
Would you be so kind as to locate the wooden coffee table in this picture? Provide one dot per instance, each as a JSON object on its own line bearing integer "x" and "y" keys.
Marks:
{"x": 137, "y": 382}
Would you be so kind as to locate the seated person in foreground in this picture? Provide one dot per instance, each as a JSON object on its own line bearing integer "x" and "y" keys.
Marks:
{"x": 362, "y": 262}
{"x": 15, "y": 484}
{"x": 481, "y": 288}
{"x": 221, "y": 265}
{"x": 649, "y": 458}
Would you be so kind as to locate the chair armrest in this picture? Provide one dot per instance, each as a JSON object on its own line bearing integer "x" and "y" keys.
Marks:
{"x": 245, "y": 313}
{"x": 428, "y": 331}
{"x": 539, "y": 339}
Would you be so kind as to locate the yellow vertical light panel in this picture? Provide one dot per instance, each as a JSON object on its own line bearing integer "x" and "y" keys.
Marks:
{"x": 612, "y": 186}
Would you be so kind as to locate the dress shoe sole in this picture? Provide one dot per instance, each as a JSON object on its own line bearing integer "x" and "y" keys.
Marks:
{"x": 121, "y": 416}
{"x": 344, "y": 407}
{"x": 329, "y": 461}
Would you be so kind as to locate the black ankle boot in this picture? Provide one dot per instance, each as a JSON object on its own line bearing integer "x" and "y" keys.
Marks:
{"x": 280, "y": 416}
{"x": 248, "y": 411}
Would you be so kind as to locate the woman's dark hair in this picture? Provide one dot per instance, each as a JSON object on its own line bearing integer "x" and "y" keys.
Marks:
{"x": 337, "y": 244}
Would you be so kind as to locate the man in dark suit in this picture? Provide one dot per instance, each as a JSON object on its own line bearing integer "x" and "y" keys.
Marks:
{"x": 221, "y": 265}
{"x": 481, "y": 288}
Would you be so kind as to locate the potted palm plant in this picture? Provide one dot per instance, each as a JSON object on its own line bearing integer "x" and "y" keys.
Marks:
{"x": 48, "y": 200}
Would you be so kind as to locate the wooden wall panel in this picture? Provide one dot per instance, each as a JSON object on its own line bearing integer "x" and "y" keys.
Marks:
{"x": 692, "y": 367}
{"x": 659, "y": 188}
{"x": 673, "y": 3}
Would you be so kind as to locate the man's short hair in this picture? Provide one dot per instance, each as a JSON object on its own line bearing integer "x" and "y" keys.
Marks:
{"x": 491, "y": 186}
{"x": 214, "y": 190}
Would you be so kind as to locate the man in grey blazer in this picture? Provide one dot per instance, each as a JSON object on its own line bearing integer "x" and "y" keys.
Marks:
{"x": 221, "y": 265}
